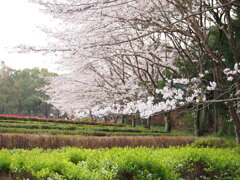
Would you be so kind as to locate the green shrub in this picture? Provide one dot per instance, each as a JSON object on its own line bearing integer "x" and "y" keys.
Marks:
{"x": 187, "y": 122}
{"x": 5, "y": 159}
{"x": 213, "y": 142}
{"x": 86, "y": 119}
{"x": 209, "y": 163}
{"x": 124, "y": 163}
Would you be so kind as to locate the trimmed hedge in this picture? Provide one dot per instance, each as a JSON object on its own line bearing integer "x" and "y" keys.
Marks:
{"x": 11, "y": 141}
{"x": 71, "y": 127}
{"x": 37, "y": 127}
{"x": 38, "y": 119}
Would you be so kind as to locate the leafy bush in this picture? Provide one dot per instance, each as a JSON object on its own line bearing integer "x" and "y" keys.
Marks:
{"x": 187, "y": 122}
{"x": 124, "y": 163}
{"x": 5, "y": 160}
{"x": 213, "y": 142}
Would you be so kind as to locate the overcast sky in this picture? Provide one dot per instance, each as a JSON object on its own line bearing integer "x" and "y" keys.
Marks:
{"x": 19, "y": 20}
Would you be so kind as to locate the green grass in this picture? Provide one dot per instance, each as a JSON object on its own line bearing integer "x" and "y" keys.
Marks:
{"x": 157, "y": 128}
{"x": 224, "y": 136}
{"x": 123, "y": 163}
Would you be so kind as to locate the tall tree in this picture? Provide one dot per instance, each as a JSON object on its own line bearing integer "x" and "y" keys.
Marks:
{"x": 144, "y": 40}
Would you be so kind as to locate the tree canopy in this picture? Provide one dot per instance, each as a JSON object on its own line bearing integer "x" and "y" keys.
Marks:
{"x": 20, "y": 91}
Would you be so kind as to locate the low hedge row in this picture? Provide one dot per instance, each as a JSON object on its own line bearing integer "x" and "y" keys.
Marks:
{"x": 38, "y": 119}
{"x": 56, "y": 141}
{"x": 127, "y": 130}
{"x": 30, "y": 141}
{"x": 85, "y": 132}
{"x": 50, "y": 125}
{"x": 16, "y": 126}
{"x": 37, "y": 127}
{"x": 122, "y": 163}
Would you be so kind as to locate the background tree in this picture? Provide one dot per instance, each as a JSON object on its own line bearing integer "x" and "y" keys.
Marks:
{"x": 8, "y": 90}
{"x": 21, "y": 92}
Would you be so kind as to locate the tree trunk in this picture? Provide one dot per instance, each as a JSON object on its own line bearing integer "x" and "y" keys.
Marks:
{"x": 197, "y": 123}
{"x": 115, "y": 118}
{"x": 46, "y": 112}
{"x": 90, "y": 115}
{"x": 122, "y": 119}
{"x": 215, "y": 118}
{"x": 202, "y": 121}
{"x": 133, "y": 120}
{"x": 215, "y": 113}
{"x": 236, "y": 121}
{"x": 148, "y": 122}
{"x": 29, "y": 112}
{"x": 168, "y": 123}
{"x": 144, "y": 122}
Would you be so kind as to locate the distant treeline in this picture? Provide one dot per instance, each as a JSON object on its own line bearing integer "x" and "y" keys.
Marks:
{"x": 20, "y": 91}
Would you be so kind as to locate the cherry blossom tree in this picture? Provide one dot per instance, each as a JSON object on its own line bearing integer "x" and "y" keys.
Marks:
{"x": 146, "y": 56}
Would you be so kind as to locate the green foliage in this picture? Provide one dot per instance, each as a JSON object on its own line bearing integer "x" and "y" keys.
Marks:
{"x": 86, "y": 119}
{"x": 20, "y": 90}
{"x": 167, "y": 73}
{"x": 219, "y": 42}
{"x": 5, "y": 158}
{"x": 161, "y": 84}
{"x": 125, "y": 163}
{"x": 187, "y": 122}
{"x": 213, "y": 142}
{"x": 208, "y": 163}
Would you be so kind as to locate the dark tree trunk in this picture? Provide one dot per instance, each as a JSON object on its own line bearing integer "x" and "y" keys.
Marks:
{"x": 168, "y": 122}
{"x": 197, "y": 123}
{"x": 236, "y": 121}
{"x": 122, "y": 119}
{"x": 215, "y": 118}
{"x": 134, "y": 121}
{"x": 215, "y": 113}
{"x": 90, "y": 115}
{"x": 148, "y": 122}
{"x": 47, "y": 112}
{"x": 202, "y": 120}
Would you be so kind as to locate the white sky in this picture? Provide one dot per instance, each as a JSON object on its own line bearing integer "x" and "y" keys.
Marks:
{"x": 18, "y": 25}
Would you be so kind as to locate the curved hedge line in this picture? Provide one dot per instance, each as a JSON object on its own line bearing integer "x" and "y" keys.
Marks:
{"x": 39, "y": 119}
